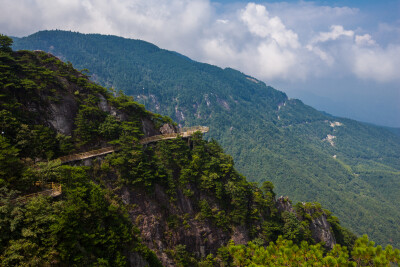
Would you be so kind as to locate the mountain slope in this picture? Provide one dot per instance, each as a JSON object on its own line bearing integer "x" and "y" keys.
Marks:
{"x": 351, "y": 168}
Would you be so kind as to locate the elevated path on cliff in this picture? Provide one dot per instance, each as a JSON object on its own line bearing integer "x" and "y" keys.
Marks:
{"x": 48, "y": 189}
{"x": 54, "y": 189}
{"x": 184, "y": 132}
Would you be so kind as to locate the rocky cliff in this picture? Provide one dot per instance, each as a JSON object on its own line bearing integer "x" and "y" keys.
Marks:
{"x": 315, "y": 217}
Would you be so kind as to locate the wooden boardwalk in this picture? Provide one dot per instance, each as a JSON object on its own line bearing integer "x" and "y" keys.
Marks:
{"x": 88, "y": 154}
{"x": 52, "y": 189}
{"x": 184, "y": 132}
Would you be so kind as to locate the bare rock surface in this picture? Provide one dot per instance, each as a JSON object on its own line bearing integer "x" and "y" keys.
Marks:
{"x": 321, "y": 231}
{"x": 164, "y": 224}
{"x": 148, "y": 128}
{"x": 103, "y": 104}
{"x": 62, "y": 115}
{"x": 168, "y": 128}
{"x": 284, "y": 204}
{"x": 319, "y": 225}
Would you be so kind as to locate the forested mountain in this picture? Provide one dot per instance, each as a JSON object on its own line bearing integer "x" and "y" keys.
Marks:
{"x": 176, "y": 202}
{"x": 350, "y": 167}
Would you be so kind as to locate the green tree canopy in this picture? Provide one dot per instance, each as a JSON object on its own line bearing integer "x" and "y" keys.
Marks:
{"x": 5, "y": 43}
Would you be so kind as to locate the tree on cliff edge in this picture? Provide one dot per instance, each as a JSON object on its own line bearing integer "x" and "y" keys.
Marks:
{"x": 5, "y": 43}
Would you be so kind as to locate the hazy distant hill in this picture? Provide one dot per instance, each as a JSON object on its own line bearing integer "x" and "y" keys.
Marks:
{"x": 350, "y": 167}
{"x": 394, "y": 130}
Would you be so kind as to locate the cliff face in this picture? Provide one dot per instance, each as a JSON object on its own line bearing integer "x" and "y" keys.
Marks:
{"x": 165, "y": 224}
{"x": 318, "y": 224}
{"x": 321, "y": 231}
{"x": 67, "y": 91}
{"x": 61, "y": 116}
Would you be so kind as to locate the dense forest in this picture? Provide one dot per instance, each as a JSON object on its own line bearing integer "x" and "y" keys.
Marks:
{"x": 49, "y": 109}
{"x": 350, "y": 167}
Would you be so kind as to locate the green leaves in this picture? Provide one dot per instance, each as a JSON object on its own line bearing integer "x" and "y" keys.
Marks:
{"x": 10, "y": 165}
{"x": 87, "y": 123}
{"x": 365, "y": 253}
{"x": 26, "y": 232}
{"x": 5, "y": 43}
{"x": 89, "y": 224}
{"x": 286, "y": 253}
{"x": 110, "y": 128}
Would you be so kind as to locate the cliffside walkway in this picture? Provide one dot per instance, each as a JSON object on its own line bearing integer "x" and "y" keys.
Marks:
{"x": 184, "y": 132}
{"x": 52, "y": 189}
{"x": 88, "y": 154}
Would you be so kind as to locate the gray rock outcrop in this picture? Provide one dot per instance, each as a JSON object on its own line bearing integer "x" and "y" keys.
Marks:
{"x": 319, "y": 226}
{"x": 321, "y": 231}
{"x": 168, "y": 128}
{"x": 284, "y": 204}
{"x": 62, "y": 115}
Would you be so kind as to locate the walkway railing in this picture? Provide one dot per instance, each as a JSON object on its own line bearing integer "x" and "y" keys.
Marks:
{"x": 86, "y": 155}
{"x": 194, "y": 129}
{"x": 53, "y": 190}
{"x": 184, "y": 132}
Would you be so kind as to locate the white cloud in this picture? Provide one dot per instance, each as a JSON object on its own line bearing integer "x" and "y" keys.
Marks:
{"x": 364, "y": 40}
{"x": 307, "y": 18}
{"x": 223, "y": 21}
{"x": 336, "y": 32}
{"x": 166, "y": 23}
{"x": 321, "y": 54}
{"x": 276, "y": 62}
{"x": 254, "y": 42}
{"x": 259, "y": 23}
{"x": 377, "y": 64}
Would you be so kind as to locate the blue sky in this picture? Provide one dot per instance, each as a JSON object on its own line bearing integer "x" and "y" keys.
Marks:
{"x": 342, "y": 57}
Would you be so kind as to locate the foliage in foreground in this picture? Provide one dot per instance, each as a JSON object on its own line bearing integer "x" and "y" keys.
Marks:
{"x": 87, "y": 227}
{"x": 285, "y": 253}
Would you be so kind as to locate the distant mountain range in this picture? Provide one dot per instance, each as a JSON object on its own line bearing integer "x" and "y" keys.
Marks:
{"x": 351, "y": 168}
